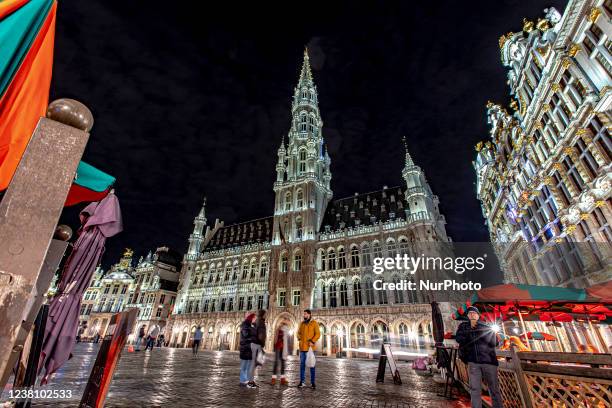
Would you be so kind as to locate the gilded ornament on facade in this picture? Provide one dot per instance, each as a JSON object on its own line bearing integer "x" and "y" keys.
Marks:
{"x": 558, "y": 166}
{"x": 566, "y": 62}
{"x": 527, "y": 25}
{"x": 581, "y": 131}
{"x": 570, "y": 229}
{"x": 556, "y": 87}
{"x": 523, "y": 105}
{"x": 489, "y": 104}
{"x": 595, "y": 12}
{"x": 573, "y": 50}
{"x": 543, "y": 24}
{"x": 513, "y": 104}
{"x": 600, "y": 203}
{"x": 546, "y": 107}
{"x": 539, "y": 125}
{"x": 504, "y": 38}
{"x": 584, "y": 216}
{"x": 479, "y": 146}
{"x": 569, "y": 150}
{"x": 550, "y": 181}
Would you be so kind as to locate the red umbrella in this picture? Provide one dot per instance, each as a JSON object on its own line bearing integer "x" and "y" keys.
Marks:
{"x": 99, "y": 221}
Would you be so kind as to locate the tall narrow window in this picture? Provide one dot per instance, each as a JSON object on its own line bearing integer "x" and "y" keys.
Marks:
{"x": 333, "y": 301}
{"x": 357, "y": 292}
{"x": 284, "y": 263}
{"x": 331, "y": 258}
{"x": 299, "y": 200}
{"x": 341, "y": 259}
{"x": 288, "y": 201}
{"x": 299, "y": 228}
{"x": 297, "y": 262}
{"x": 343, "y": 294}
{"x": 354, "y": 257}
{"x": 369, "y": 291}
{"x": 263, "y": 270}
{"x": 281, "y": 298}
{"x": 302, "y": 162}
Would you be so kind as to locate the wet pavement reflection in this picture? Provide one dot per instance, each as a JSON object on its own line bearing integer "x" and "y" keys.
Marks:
{"x": 173, "y": 377}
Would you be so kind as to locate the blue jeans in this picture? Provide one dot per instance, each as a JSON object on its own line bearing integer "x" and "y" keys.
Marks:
{"x": 303, "y": 369}
{"x": 245, "y": 366}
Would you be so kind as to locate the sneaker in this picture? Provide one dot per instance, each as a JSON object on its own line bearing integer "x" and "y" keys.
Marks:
{"x": 274, "y": 381}
{"x": 252, "y": 385}
{"x": 313, "y": 386}
{"x": 284, "y": 381}
{"x": 243, "y": 385}
{"x": 301, "y": 385}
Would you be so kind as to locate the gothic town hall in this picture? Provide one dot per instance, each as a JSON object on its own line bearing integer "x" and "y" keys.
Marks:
{"x": 313, "y": 252}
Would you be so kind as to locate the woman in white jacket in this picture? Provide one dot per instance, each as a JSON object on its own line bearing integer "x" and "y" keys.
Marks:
{"x": 282, "y": 346}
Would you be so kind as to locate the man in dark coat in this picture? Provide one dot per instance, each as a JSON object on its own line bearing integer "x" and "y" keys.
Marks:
{"x": 258, "y": 345}
{"x": 247, "y": 337}
{"x": 477, "y": 342}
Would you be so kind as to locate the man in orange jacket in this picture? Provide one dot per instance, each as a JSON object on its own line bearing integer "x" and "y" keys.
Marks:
{"x": 308, "y": 334}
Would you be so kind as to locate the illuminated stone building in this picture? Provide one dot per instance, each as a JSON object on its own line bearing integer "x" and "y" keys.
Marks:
{"x": 313, "y": 252}
{"x": 543, "y": 176}
{"x": 155, "y": 283}
{"x": 107, "y": 294}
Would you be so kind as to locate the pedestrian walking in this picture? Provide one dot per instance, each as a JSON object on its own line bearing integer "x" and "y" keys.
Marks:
{"x": 257, "y": 347}
{"x": 160, "y": 340}
{"x": 308, "y": 334}
{"x": 197, "y": 339}
{"x": 141, "y": 334}
{"x": 282, "y": 345}
{"x": 477, "y": 342}
{"x": 152, "y": 337}
{"x": 247, "y": 337}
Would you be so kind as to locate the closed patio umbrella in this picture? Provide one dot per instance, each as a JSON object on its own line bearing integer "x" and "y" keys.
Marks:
{"x": 99, "y": 221}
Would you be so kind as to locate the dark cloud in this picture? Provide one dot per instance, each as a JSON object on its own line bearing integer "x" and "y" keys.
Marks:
{"x": 192, "y": 102}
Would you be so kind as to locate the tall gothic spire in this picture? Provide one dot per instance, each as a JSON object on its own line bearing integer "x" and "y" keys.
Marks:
{"x": 306, "y": 73}
{"x": 408, "y": 160}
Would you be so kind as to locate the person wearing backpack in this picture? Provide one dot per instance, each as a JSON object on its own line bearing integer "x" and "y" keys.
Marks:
{"x": 281, "y": 351}
{"x": 477, "y": 342}
{"x": 308, "y": 334}
{"x": 247, "y": 337}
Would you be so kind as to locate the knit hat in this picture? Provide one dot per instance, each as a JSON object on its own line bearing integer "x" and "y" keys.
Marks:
{"x": 472, "y": 309}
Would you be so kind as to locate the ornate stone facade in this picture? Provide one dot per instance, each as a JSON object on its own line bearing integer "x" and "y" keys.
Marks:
{"x": 543, "y": 178}
{"x": 312, "y": 253}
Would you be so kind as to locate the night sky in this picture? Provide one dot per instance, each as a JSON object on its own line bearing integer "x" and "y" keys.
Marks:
{"x": 191, "y": 102}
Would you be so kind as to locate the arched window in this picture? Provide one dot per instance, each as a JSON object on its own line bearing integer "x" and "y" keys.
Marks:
{"x": 333, "y": 301}
{"x": 366, "y": 256}
{"x": 299, "y": 228}
{"x": 299, "y": 199}
{"x": 404, "y": 335}
{"x": 235, "y": 271}
{"x": 284, "y": 263}
{"x": 297, "y": 262}
{"x": 360, "y": 335}
{"x": 357, "y": 292}
{"x": 376, "y": 250}
{"x": 331, "y": 258}
{"x": 343, "y": 293}
{"x": 228, "y": 271}
{"x": 380, "y": 332}
{"x": 288, "y": 201}
{"x": 253, "y": 268}
{"x": 412, "y": 298}
{"x": 303, "y": 119}
{"x": 245, "y": 269}
{"x": 403, "y": 246}
{"x": 302, "y": 161}
{"x": 391, "y": 248}
{"x": 263, "y": 268}
{"x": 354, "y": 257}
{"x": 369, "y": 291}
{"x": 399, "y": 294}
{"x": 341, "y": 259}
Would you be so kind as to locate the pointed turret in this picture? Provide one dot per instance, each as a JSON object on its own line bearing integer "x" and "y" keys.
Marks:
{"x": 408, "y": 159}
{"x": 196, "y": 238}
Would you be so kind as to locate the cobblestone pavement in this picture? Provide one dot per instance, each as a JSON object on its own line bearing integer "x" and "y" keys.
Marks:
{"x": 173, "y": 377}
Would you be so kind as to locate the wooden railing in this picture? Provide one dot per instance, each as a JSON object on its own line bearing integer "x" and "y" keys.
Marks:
{"x": 540, "y": 379}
